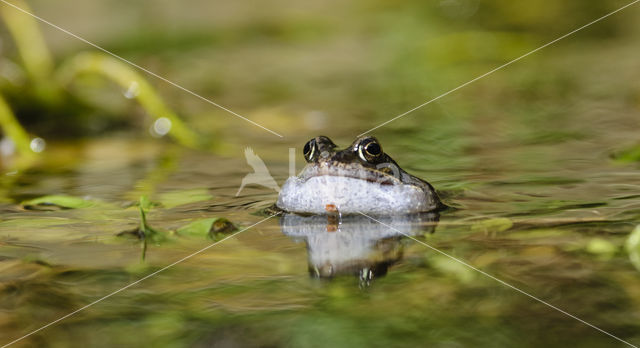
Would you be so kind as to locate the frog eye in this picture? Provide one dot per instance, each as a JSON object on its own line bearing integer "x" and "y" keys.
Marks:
{"x": 369, "y": 150}
{"x": 309, "y": 150}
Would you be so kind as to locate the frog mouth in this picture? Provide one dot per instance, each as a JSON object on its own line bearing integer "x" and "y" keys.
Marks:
{"x": 360, "y": 173}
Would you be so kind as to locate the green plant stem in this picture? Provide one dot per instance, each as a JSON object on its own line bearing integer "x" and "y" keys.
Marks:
{"x": 14, "y": 130}
{"x": 29, "y": 41}
{"x": 124, "y": 76}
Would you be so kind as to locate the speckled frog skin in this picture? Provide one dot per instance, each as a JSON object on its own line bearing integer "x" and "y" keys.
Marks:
{"x": 358, "y": 179}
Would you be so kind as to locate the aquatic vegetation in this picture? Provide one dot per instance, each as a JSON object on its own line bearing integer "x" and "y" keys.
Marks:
{"x": 36, "y": 59}
{"x": 47, "y": 86}
{"x": 213, "y": 228}
{"x": 61, "y": 202}
{"x": 166, "y": 120}
{"x": 145, "y": 204}
{"x": 13, "y": 129}
{"x": 632, "y": 246}
{"x": 145, "y": 231}
{"x": 630, "y": 154}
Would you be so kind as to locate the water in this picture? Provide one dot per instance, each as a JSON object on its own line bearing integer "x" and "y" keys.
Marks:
{"x": 523, "y": 156}
{"x": 533, "y": 215}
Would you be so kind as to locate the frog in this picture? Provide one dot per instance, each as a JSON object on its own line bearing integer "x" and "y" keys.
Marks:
{"x": 359, "y": 179}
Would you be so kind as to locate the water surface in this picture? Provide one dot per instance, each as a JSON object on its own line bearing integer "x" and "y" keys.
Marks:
{"x": 524, "y": 156}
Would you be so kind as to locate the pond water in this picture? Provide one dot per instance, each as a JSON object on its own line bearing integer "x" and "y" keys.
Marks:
{"x": 524, "y": 157}
{"x": 549, "y": 217}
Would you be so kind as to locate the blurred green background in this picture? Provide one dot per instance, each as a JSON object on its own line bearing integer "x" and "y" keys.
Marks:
{"x": 303, "y": 68}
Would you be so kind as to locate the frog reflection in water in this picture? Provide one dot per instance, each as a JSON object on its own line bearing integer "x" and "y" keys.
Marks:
{"x": 355, "y": 245}
{"x": 359, "y": 179}
{"x": 330, "y": 192}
